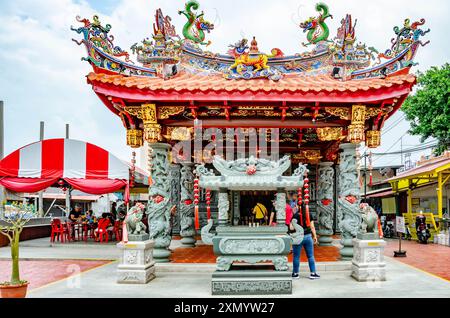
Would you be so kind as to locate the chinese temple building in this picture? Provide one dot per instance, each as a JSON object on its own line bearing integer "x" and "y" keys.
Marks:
{"x": 325, "y": 102}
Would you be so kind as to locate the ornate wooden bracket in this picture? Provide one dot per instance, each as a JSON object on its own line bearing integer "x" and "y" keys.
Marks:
{"x": 356, "y": 128}
{"x": 147, "y": 113}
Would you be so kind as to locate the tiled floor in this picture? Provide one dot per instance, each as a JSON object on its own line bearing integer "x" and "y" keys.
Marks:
{"x": 205, "y": 254}
{"x": 43, "y": 272}
{"x": 432, "y": 258}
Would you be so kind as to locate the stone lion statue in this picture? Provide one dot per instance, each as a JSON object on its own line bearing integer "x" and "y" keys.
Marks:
{"x": 133, "y": 220}
{"x": 369, "y": 222}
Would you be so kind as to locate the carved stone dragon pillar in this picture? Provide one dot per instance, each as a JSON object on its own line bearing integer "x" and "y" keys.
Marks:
{"x": 325, "y": 203}
{"x": 224, "y": 207}
{"x": 159, "y": 204}
{"x": 175, "y": 199}
{"x": 280, "y": 207}
{"x": 187, "y": 229}
{"x": 349, "y": 199}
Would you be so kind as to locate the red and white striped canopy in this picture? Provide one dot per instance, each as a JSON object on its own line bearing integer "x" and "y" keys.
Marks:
{"x": 63, "y": 158}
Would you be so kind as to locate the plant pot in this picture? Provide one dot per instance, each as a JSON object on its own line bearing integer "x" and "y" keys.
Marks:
{"x": 14, "y": 291}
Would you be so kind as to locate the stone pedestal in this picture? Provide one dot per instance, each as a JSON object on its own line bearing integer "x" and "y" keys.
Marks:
{"x": 138, "y": 237}
{"x": 252, "y": 246}
{"x": 368, "y": 260}
{"x": 325, "y": 238}
{"x": 248, "y": 281}
{"x": 188, "y": 241}
{"x": 136, "y": 263}
{"x": 346, "y": 250}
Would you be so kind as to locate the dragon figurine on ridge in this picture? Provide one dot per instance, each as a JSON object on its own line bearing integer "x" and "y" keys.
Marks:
{"x": 195, "y": 27}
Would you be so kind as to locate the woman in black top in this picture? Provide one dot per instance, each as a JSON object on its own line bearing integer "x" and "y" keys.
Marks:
{"x": 308, "y": 242}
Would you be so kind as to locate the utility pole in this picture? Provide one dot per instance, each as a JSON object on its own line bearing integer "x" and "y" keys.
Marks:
{"x": 401, "y": 149}
{"x": 365, "y": 177}
{"x": 41, "y": 193}
{"x": 2, "y": 152}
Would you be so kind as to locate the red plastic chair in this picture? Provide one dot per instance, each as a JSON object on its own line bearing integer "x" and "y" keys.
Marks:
{"x": 57, "y": 231}
{"x": 118, "y": 230}
{"x": 86, "y": 228}
{"x": 102, "y": 230}
{"x": 68, "y": 230}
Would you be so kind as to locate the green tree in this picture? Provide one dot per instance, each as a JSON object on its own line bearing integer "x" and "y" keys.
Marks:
{"x": 428, "y": 109}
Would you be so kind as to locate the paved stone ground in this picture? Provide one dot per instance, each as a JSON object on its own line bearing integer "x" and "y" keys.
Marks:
{"x": 42, "y": 272}
{"x": 402, "y": 281}
{"x": 205, "y": 254}
{"x": 54, "y": 273}
{"x": 432, "y": 258}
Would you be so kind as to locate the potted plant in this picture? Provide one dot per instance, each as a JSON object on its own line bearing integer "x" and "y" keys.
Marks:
{"x": 11, "y": 226}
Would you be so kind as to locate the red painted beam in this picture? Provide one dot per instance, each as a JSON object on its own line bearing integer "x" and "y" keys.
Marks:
{"x": 368, "y": 96}
{"x": 254, "y": 123}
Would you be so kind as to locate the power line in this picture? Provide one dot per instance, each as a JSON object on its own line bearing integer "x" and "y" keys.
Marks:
{"x": 409, "y": 150}
{"x": 392, "y": 146}
{"x": 393, "y": 125}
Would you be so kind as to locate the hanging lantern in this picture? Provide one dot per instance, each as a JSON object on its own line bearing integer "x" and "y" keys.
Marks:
{"x": 135, "y": 138}
{"x": 132, "y": 169}
{"x": 62, "y": 186}
{"x": 208, "y": 204}
{"x": 152, "y": 132}
{"x": 356, "y": 133}
{"x": 300, "y": 200}
{"x": 306, "y": 191}
{"x": 373, "y": 138}
{"x": 196, "y": 202}
{"x": 356, "y": 128}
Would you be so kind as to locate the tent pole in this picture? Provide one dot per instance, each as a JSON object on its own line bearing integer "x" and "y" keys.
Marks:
{"x": 2, "y": 139}
{"x": 41, "y": 193}
{"x": 68, "y": 189}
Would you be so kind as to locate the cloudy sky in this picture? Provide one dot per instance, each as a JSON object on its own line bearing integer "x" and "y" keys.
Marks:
{"x": 43, "y": 79}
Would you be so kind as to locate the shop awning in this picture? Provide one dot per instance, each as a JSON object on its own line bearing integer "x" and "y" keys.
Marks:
{"x": 387, "y": 193}
{"x": 86, "y": 167}
{"x": 429, "y": 170}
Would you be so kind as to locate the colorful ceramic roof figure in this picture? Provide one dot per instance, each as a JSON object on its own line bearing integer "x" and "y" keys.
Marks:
{"x": 179, "y": 81}
{"x": 254, "y": 47}
{"x": 195, "y": 27}
{"x": 316, "y": 28}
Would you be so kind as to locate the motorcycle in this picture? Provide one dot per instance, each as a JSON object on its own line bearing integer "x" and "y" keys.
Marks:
{"x": 423, "y": 233}
{"x": 388, "y": 230}
{"x": 408, "y": 235}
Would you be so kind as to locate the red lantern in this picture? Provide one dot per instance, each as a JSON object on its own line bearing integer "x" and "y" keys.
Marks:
{"x": 306, "y": 186}
{"x": 208, "y": 204}
{"x": 196, "y": 201}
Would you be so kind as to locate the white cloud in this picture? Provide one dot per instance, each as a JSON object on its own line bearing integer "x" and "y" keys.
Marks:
{"x": 42, "y": 77}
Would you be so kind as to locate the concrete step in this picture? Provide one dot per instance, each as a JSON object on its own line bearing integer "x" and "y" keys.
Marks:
{"x": 343, "y": 266}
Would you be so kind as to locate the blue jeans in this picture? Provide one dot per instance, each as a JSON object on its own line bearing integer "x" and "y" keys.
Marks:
{"x": 308, "y": 244}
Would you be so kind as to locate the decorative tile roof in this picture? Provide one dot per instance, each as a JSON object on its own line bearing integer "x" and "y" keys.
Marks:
{"x": 295, "y": 83}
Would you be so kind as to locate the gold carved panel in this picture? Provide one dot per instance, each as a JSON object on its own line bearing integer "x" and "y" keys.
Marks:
{"x": 329, "y": 133}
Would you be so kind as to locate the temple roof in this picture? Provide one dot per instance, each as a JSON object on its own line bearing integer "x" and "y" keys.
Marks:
{"x": 294, "y": 83}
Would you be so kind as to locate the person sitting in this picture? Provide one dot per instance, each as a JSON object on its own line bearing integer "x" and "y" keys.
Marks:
{"x": 75, "y": 214}
{"x": 104, "y": 224}
{"x": 90, "y": 217}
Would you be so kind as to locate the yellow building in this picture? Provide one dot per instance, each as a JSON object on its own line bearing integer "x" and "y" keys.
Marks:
{"x": 428, "y": 191}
